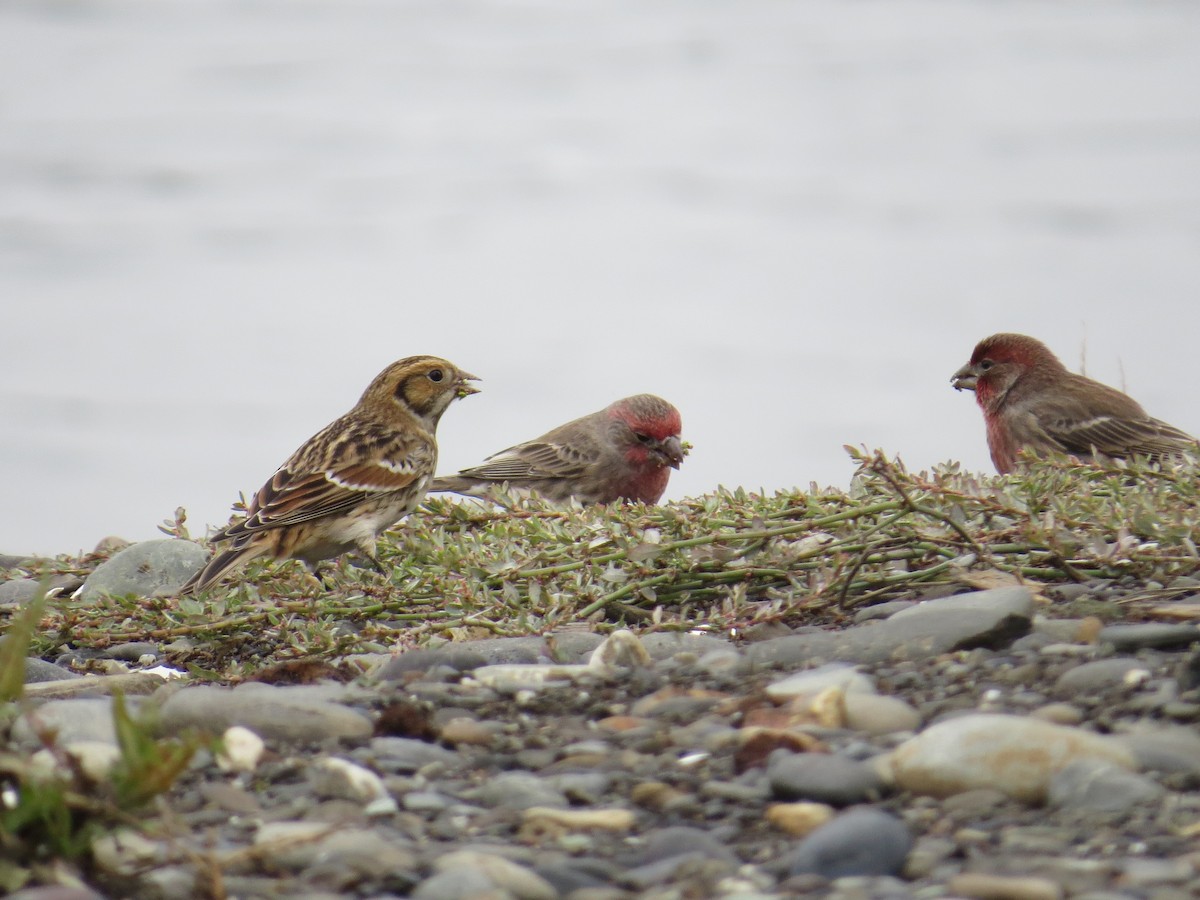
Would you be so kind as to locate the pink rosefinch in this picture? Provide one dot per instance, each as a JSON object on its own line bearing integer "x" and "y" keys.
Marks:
{"x": 353, "y": 479}
{"x": 1030, "y": 401}
{"x": 626, "y": 450}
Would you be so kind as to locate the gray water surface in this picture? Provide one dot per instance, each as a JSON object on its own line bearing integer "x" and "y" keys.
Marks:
{"x": 219, "y": 220}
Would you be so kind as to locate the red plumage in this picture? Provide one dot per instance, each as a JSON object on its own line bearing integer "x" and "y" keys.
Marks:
{"x": 1032, "y": 402}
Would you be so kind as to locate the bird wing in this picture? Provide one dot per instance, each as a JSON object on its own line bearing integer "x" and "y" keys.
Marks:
{"x": 356, "y": 471}
{"x": 536, "y": 459}
{"x": 1118, "y": 435}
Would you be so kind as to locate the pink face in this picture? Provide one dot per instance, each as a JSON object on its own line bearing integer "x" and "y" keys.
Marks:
{"x": 997, "y": 363}
{"x": 652, "y": 442}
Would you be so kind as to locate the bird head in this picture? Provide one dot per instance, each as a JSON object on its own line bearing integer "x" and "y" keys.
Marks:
{"x": 423, "y": 386}
{"x": 648, "y": 427}
{"x": 999, "y": 362}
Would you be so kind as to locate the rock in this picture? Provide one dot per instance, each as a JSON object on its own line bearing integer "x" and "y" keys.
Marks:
{"x": 814, "y": 681}
{"x": 272, "y": 712}
{"x": 458, "y": 884}
{"x": 982, "y": 619}
{"x": 516, "y": 790}
{"x": 979, "y": 886}
{"x": 454, "y": 656}
{"x": 341, "y": 779}
{"x": 676, "y": 841}
{"x": 665, "y": 644}
{"x": 877, "y": 714}
{"x": 545, "y": 818}
{"x": 133, "y": 651}
{"x": 1152, "y": 635}
{"x": 125, "y": 852}
{"x": 501, "y": 874}
{"x": 858, "y": 842}
{"x": 396, "y": 754}
{"x": 799, "y": 819}
{"x": 882, "y": 610}
{"x": 1010, "y": 753}
{"x": 1059, "y": 714}
{"x": 822, "y": 778}
{"x": 39, "y": 671}
{"x": 1168, "y": 750}
{"x": 145, "y": 569}
{"x": 241, "y": 750}
{"x": 19, "y": 591}
{"x": 1101, "y": 786}
{"x": 1101, "y": 675}
{"x": 345, "y": 857}
{"x": 82, "y": 719}
{"x": 56, "y": 892}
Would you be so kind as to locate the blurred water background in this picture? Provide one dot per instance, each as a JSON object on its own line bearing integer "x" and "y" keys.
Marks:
{"x": 219, "y": 220}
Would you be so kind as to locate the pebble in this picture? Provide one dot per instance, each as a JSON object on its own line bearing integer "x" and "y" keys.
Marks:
{"x": 822, "y": 778}
{"x": 144, "y": 569}
{"x": 501, "y": 874}
{"x": 858, "y": 842}
{"x": 799, "y": 819}
{"x": 1101, "y": 675}
{"x": 337, "y": 778}
{"x": 979, "y": 886}
{"x": 516, "y": 790}
{"x": 1016, "y": 755}
{"x": 397, "y": 754}
{"x": 285, "y": 714}
{"x": 241, "y": 750}
{"x": 1101, "y": 786}
{"x": 674, "y": 765}
{"x": 877, "y": 714}
{"x": 82, "y": 719}
{"x": 814, "y": 681}
{"x": 19, "y": 591}
{"x": 1152, "y": 635}
{"x": 39, "y": 671}
{"x": 980, "y": 619}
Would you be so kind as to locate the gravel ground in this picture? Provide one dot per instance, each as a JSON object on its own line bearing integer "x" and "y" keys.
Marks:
{"x": 976, "y": 745}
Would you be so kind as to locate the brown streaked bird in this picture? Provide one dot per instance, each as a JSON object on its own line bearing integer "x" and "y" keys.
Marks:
{"x": 1031, "y": 401}
{"x": 353, "y": 479}
{"x": 625, "y": 451}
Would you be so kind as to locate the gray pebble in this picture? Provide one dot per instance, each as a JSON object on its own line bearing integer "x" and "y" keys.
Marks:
{"x": 516, "y": 790}
{"x": 19, "y": 591}
{"x": 1152, "y": 635}
{"x": 145, "y": 569}
{"x": 272, "y": 712}
{"x": 1100, "y": 675}
{"x": 980, "y": 619}
{"x": 132, "y": 651}
{"x": 78, "y": 719}
{"x": 1167, "y": 750}
{"x": 404, "y": 755}
{"x": 38, "y": 671}
{"x": 1094, "y": 785}
{"x": 679, "y": 840}
{"x": 858, "y": 842}
{"x": 822, "y": 778}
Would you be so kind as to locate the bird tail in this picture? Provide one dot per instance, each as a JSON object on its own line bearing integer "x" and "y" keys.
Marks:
{"x": 216, "y": 567}
{"x": 456, "y": 484}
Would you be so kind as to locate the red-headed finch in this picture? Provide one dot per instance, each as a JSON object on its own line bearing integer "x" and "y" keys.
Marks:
{"x": 351, "y": 480}
{"x": 1030, "y": 401}
{"x": 626, "y": 450}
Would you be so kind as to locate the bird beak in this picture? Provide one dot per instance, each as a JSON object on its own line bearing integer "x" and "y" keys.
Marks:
{"x": 462, "y": 389}
{"x": 671, "y": 451}
{"x": 964, "y": 379}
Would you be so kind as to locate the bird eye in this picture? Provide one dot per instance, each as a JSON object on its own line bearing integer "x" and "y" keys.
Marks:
{"x": 986, "y": 364}
{"x": 436, "y": 375}
{"x": 644, "y": 438}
